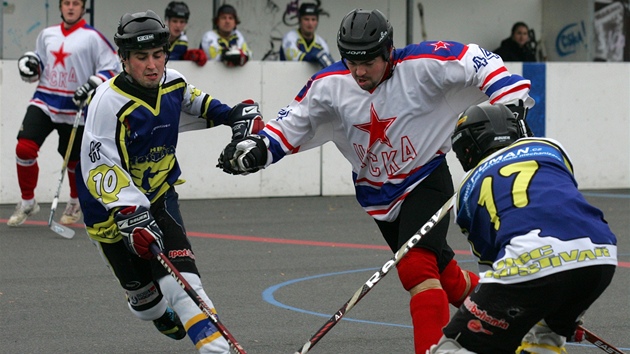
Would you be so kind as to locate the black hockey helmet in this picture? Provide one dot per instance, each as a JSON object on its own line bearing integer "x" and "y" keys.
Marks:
{"x": 481, "y": 130}
{"x": 141, "y": 30}
{"x": 308, "y": 8}
{"x": 226, "y": 9}
{"x": 177, "y": 9}
{"x": 365, "y": 35}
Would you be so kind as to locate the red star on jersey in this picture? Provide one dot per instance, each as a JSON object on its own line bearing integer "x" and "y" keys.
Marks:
{"x": 440, "y": 45}
{"x": 60, "y": 56}
{"x": 376, "y": 127}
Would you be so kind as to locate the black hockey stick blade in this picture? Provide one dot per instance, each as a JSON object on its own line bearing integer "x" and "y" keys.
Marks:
{"x": 599, "y": 343}
{"x": 376, "y": 277}
{"x": 61, "y": 230}
{"x": 203, "y": 306}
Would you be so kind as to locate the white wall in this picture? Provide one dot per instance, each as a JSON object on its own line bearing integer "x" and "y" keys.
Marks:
{"x": 588, "y": 111}
{"x": 485, "y": 22}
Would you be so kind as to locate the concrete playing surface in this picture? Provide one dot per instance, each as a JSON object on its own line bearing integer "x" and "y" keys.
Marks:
{"x": 276, "y": 269}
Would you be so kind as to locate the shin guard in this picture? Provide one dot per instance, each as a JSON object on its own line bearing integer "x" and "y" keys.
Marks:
{"x": 457, "y": 283}
{"x": 26, "y": 153}
{"x": 202, "y": 332}
{"x": 71, "y": 171}
{"x": 429, "y": 314}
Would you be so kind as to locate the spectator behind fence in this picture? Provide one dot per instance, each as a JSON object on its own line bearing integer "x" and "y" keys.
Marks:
{"x": 518, "y": 47}
{"x": 225, "y": 43}
{"x": 304, "y": 44}
{"x": 176, "y": 16}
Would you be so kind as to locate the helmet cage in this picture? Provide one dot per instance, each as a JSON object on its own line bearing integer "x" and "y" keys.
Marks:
{"x": 141, "y": 30}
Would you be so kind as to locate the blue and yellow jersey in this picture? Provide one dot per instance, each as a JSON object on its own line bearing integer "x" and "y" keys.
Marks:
{"x": 525, "y": 217}
{"x": 214, "y": 45}
{"x": 128, "y": 155}
{"x": 178, "y": 48}
{"x": 295, "y": 47}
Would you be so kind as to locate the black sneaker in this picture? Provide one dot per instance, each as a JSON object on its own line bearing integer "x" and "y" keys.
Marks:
{"x": 170, "y": 325}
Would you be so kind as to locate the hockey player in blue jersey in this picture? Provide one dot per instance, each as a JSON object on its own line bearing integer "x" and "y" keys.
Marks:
{"x": 303, "y": 43}
{"x": 176, "y": 16}
{"x": 129, "y": 170}
{"x": 544, "y": 253}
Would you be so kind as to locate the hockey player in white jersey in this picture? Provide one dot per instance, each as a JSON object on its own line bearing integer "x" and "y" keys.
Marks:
{"x": 391, "y": 112}
{"x": 129, "y": 170}
{"x": 69, "y": 61}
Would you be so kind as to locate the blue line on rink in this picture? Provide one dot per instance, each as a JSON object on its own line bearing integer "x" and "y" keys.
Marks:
{"x": 267, "y": 295}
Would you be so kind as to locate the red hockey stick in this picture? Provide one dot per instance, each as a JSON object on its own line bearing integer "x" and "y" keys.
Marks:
{"x": 598, "y": 342}
{"x": 197, "y": 299}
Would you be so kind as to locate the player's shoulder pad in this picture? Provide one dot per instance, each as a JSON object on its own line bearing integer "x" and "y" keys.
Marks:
{"x": 441, "y": 50}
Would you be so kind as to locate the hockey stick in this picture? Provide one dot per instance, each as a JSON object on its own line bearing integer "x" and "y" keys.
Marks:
{"x": 170, "y": 268}
{"x": 598, "y": 342}
{"x": 64, "y": 231}
{"x": 422, "y": 27}
{"x": 376, "y": 277}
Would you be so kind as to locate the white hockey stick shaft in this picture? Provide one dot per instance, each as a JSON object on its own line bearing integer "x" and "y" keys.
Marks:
{"x": 376, "y": 277}
{"x": 58, "y": 228}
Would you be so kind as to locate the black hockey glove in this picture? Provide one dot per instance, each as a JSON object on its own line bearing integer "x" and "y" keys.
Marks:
{"x": 139, "y": 230}
{"x": 82, "y": 93}
{"x": 234, "y": 57}
{"x": 241, "y": 157}
{"x": 520, "y": 113}
{"x": 28, "y": 64}
{"x": 245, "y": 119}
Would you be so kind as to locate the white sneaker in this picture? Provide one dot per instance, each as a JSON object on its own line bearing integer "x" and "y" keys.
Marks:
{"x": 72, "y": 214}
{"x": 21, "y": 213}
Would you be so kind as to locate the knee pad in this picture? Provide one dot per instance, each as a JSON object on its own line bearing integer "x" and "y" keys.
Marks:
{"x": 26, "y": 151}
{"x": 418, "y": 265}
{"x": 146, "y": 303}
{"x": 457, "y": 283}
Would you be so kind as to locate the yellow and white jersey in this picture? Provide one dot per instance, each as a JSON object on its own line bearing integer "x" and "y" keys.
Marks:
{"x": 129, "y": 143}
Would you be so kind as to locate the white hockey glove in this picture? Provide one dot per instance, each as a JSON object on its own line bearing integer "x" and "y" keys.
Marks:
{"x": 82, "y": 93}
{"x": 241, "y": 157}
{"x": 139, "y": 230}
{"x": 28, "y": 64}
{"x": 245, "y": 119}
{"x": 324, "y": 59}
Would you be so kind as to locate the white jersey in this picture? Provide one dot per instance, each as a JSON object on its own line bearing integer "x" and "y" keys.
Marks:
{"x": 68, "y": 58}
{"x": 295, "y": 48}
{"x": 215, "y": 45}
{"x": 399, "y": 133}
